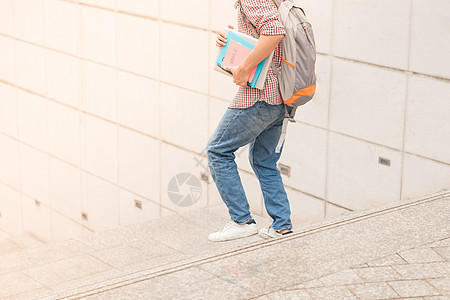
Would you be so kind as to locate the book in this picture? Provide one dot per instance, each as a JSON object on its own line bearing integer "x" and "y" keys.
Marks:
{"x": 238, "y": 47}
{"x": 235, "y": 55}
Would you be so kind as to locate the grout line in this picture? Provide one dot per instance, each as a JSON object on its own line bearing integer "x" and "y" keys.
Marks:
{"x": 191, "y": 151}
{"x": 386, "y": 147}
{"x": 91, "y": 254}
{"x": 84, "y": 205}
{"x": 355, "y": 284}
{"x": 47, "y": 129}
{"x": 81, "y": 119}
{"x": 84, "y": 59}
{"x": 327, "y": 145}
{"x": 208, "y": 109}
{"x": 402, "y": 163}
{"x": 116, "y": 72}
{"x": 133, "y": 14}
{"x": 434, "y": 286}
{"x": 159, "y": 103}
{"x": 16, "y": 94}
{"x": 405, "y": 110}
{"x": 215, "y": 31}
{"x": 31, "y": 278}
{"x": 83, "y": 169}
{"x": 385, "y": 67}
{"x": 152, "y": 78}
{"x": 195, "y": 91}
{"x": 209, "y": 29}
{"x": 351, "y": 291}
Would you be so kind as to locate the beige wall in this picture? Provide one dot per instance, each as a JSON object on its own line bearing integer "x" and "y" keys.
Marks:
{"x": 103, "y": 102}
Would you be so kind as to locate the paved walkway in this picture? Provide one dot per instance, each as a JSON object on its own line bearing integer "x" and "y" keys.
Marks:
{"x": 396, "y": 252}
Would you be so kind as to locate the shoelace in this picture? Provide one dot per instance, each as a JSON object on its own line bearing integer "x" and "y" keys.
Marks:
{"x": 227, "y": 226}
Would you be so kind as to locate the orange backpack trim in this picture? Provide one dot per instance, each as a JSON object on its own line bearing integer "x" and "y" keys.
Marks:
{"x": 303, "y": 92}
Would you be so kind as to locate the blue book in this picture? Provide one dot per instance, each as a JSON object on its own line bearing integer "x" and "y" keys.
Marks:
{"x": 238, "y": 37}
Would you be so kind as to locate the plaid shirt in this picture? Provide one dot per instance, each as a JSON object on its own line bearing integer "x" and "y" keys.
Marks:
{"x": 263, "y": 15}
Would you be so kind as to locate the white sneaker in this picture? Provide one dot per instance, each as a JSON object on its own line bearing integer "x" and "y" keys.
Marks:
{"x": 233, "y": 231}
{"x": 269, "y": 233}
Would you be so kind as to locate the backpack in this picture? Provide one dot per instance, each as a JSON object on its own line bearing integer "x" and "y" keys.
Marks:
{"x": 296, "y": 75}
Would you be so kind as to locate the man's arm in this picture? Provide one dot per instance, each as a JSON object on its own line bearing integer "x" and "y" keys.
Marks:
{"x": 266, "y": 44}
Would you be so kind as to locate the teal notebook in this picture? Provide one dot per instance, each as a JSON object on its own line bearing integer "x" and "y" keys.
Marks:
{"x": 232, "y": 35}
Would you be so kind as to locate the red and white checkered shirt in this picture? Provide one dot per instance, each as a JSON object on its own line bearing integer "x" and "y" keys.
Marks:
{"x": 263, "y": 15}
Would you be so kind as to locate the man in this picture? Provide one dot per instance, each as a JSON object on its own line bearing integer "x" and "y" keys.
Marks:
{"x": 254, "y": 117}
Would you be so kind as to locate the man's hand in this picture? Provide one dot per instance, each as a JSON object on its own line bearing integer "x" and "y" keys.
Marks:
{"x": 240, "y": 75}
{"x": 222, "y": 38}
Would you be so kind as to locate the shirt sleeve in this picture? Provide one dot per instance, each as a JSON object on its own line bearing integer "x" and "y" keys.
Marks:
{"x": 263, "y": 15}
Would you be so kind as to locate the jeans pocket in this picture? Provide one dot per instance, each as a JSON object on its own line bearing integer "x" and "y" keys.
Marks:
{"x": 269, "y": 113}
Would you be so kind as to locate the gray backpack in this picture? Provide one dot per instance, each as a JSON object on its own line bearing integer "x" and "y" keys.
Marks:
{"x": 296, "y": 75}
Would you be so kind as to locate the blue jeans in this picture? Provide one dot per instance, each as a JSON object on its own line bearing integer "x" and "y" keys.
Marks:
{"x": 260, "y": 126}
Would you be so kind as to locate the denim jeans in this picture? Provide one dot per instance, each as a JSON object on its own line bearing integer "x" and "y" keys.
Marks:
{"x": 260, "y": 126}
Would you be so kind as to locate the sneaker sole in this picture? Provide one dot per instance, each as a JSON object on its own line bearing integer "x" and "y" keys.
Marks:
{"x": 267, "y": 236}
{"x": 234, "y": 237}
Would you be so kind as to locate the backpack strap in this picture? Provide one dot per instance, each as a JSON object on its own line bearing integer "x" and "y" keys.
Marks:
{"x": 282, "y": 136}
{"x": 276, "y": 70}
{"x": 238, "y": 5}
{"x": 291, "y": 115}
{"x": 255, "y": 34}
{"x": 277, "y": 3}
{"x": 288, "y": 117}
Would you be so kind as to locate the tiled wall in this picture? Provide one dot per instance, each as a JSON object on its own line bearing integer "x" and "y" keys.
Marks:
{"x": 104, "y": 102}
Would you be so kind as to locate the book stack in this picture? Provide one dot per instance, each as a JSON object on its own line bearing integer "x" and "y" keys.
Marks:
{"x": 238, "y": 47}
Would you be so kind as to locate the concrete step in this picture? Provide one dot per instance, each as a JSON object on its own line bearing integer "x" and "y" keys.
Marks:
{"x": 172, "y": 258}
